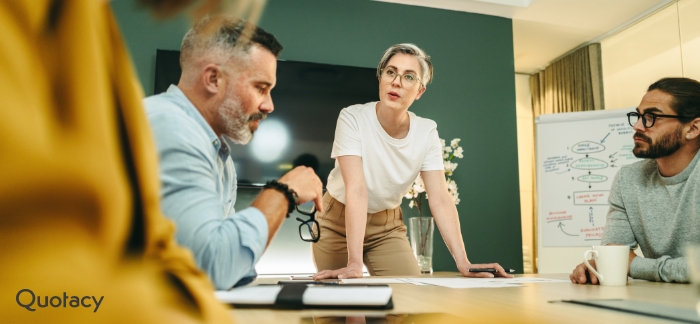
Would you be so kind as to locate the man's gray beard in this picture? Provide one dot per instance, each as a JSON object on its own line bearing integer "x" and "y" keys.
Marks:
{"x": 664, "y": 146}
{"x": 236, "y": 123}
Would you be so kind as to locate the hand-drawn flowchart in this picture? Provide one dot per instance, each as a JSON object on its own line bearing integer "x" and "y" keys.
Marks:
{"x": 577, "y": 162}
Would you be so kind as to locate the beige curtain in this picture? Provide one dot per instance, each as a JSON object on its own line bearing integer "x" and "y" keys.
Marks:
{"x": 572, "y": 83}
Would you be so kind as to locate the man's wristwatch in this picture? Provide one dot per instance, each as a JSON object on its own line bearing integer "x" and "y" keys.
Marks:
{"x": 291, "y": 195}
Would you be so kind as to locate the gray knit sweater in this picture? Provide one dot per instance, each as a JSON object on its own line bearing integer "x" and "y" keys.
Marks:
{"x": 661, "y": 214}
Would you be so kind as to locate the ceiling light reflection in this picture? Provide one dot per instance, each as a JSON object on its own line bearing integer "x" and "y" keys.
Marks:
{"x": 270, "y": 140}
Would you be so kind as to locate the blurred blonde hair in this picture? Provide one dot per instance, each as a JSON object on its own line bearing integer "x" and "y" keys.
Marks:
{"x": 249, "y": 10}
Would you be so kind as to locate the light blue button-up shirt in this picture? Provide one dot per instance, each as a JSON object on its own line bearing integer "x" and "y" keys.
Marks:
{"x": 199, "y": 191}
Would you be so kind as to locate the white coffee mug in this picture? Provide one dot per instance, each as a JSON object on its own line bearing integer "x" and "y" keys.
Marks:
{"x": 612, "y": 263}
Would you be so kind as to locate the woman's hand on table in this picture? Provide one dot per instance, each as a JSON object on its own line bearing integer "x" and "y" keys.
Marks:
{"x": 500, "y": 272}
{"x": 353, "y": 270}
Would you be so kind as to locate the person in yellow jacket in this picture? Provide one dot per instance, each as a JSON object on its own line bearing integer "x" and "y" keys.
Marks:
{"x": 82, "y": 238}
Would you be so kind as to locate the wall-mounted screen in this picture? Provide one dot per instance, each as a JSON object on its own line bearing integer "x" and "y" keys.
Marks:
{"x": 308, "y": 98}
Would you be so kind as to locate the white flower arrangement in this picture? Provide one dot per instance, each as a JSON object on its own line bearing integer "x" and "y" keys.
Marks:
{"x": 417, "y": 190}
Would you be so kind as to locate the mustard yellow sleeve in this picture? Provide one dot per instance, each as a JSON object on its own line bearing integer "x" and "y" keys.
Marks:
{"x": 79, "y": 190}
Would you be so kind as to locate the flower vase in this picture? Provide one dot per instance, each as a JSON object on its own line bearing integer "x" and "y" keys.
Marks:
{"x": 421, "y": 236}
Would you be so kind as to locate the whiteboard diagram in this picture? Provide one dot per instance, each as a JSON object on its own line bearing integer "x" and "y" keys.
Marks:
{"x": 578, "y": 155}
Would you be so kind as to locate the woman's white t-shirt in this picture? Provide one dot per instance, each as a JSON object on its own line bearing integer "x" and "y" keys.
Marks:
{"x": 390, "y": 165}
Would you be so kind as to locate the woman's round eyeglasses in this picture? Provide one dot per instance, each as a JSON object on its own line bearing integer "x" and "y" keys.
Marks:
{"x": 407, "y": 80}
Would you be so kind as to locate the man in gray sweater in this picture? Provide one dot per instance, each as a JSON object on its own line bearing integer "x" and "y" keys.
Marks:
{"x": 655, "y": 203}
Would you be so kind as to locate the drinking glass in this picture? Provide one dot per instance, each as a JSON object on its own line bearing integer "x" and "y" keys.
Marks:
{"x": 421, "y": 235}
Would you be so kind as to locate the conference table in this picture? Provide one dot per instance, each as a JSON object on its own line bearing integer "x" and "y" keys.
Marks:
{"x": 531, "y": 303}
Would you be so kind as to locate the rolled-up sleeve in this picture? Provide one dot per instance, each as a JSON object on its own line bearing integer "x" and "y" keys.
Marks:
{"x": 664, "y": 268}
{"x": 226, "y": 248}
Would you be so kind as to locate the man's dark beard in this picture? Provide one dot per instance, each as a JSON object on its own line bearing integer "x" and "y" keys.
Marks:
{"x": 666, "y": 145}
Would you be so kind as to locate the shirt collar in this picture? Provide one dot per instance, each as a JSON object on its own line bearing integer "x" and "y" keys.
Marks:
{"x": 681, "y": 177}
{"x": 192, "y": 111}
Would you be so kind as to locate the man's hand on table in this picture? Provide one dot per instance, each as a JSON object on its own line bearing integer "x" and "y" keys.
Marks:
{"x": 581, "y": 275}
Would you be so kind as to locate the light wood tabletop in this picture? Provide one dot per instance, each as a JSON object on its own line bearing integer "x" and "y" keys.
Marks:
{"x": 531, "y": 303}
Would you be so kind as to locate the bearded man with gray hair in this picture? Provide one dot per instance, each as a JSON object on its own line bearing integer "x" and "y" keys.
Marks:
{"x": 228, "y": 70}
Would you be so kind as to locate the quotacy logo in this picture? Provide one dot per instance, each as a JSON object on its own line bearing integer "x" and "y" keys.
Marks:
{"x": 55, "y": 301}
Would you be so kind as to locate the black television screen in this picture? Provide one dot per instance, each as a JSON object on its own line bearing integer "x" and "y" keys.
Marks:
{"x": 308, "y": 98}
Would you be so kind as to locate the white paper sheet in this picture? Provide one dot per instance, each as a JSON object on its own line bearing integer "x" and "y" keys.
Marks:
{"x": 465, "y": 283}
{"x": 454, "y": 282}
{"x": 375, "y": 281}
{"x": 525, "y": 280}
{"x": 253, "y": 295}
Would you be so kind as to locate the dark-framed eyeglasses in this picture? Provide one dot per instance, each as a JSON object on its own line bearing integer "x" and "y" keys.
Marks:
{"x": 648, "y": 118}
{"x": 309, "y": 230}
{"x": 408, "y": 79}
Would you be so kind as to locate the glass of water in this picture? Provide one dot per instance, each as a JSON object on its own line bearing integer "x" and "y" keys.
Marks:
{"x": 421, "y": 234}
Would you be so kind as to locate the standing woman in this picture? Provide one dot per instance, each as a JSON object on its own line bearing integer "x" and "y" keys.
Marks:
{"x": 380, "y": 147}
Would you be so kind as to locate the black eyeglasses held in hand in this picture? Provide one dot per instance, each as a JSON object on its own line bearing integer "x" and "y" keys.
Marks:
{"x": 309, "y": 230}
{"x": 648, "y": 118}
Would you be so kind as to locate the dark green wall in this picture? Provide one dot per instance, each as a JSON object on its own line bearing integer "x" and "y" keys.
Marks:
{"x": 472, "y": 96}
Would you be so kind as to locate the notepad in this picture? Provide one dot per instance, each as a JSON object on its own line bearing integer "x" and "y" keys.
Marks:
{"x": 255, "y": 295}
{"x": 306, "y": 296}
{"x": 688, "y": 315}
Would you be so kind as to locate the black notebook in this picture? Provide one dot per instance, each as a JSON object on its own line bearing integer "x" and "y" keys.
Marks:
{"x": 687, "y": 315}
{"x": 303, "y": 295}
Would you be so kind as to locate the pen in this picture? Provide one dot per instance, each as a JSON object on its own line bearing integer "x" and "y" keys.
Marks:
{"x": 490, "y": 270}
{"x": 309, "y": 282}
